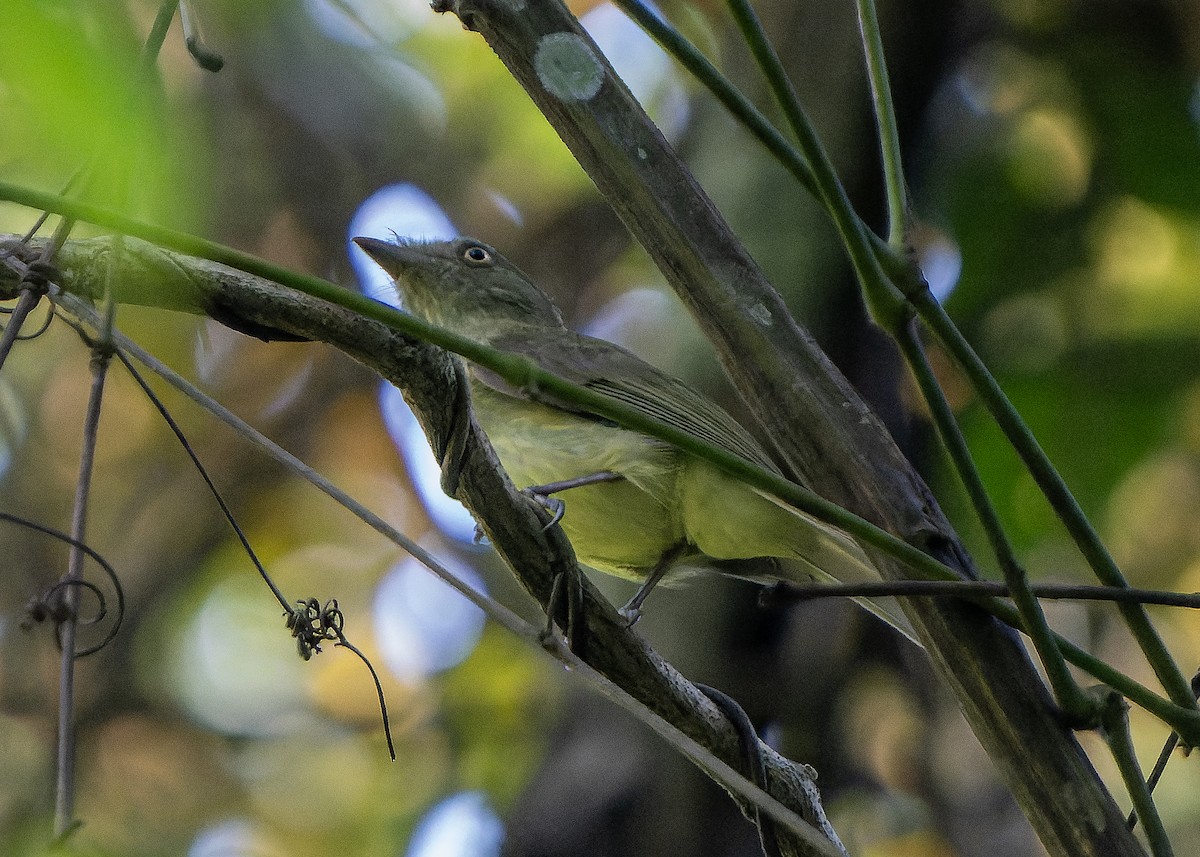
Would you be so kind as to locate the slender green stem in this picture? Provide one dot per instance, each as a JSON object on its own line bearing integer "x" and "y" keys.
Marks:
{"x": 972, "y": 588}
{"x": 885, "y": 302}
{"x": 1160, "y": 766}
{"x": 1079, "y": 707}
{"x": 689, "y": 56}
{"x": 1185, "y": 721}
{"x": 885, "y": 119}
{"x": 1055, "y": 489}
{"x": 521, "y": 372}
{"x": 158, "y": 32}
{"x": 1115, "y": 713}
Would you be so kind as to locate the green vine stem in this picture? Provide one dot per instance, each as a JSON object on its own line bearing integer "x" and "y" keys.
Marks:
{"x": 885, "y": 302}
{"x": 738, "y": 105}
{"x": 887, "y": 306}
{"x": 885, "y": 120}
{"x": 520, "y": 371}
{"x": 1077, "y": 705}
{"x": 1056, "y": 491}
{"x": 1115, "y": 715}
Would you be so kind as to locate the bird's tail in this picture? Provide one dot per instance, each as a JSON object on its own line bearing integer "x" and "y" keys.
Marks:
{"x": 831, "y": 556}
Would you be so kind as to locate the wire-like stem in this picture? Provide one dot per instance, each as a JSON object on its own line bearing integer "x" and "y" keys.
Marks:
{"x": 204, "y": 475}
{"x": 1078, "y": 706}
{"x": 12, "y": 328}
{"x": 885, "y": 120}
{"x": 979, "y": 589}
{"x": 64, "y": 790}
{"x": 1115, "y": 714}
{"x": 1056, "y": 491}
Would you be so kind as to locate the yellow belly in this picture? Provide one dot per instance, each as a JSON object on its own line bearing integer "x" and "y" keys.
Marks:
{"x": 621, "y": 527}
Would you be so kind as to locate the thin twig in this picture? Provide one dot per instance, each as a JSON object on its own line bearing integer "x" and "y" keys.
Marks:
{"x": 976, "y": 589}
{"x": 64, "y": 803}
{"x": 203, "y": 471}
{"x": 1055, "y": 489}
{"x": 1079, "y": 708}
{"x": 885, "y": 120}
{"x": 1115, "y": 716}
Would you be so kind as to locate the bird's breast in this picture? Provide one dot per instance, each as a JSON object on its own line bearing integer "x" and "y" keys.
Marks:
{"x": 621, "y": 527}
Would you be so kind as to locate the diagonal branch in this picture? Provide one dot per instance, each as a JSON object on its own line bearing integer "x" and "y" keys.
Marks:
{"x": 825, "y": 432}
{"x": 430, "y": 380}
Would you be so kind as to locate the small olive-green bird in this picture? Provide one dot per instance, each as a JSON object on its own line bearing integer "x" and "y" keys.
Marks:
{"x": 634, "y": 506}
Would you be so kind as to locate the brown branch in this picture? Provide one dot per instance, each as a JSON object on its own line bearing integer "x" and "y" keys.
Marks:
{"x": 432, "y": 383}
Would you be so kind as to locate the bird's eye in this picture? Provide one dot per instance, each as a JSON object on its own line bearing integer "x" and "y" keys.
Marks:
{"x": 477, "y": 255}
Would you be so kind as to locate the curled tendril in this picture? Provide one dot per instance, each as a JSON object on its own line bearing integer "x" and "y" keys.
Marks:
{"x": 752, "y": 756}
{"x": 36, "y": 279}
{"x": 46, "y": 606}
{"x": 46, "y": 322}
{"x": 38, "y": 276}
{"x": 311, "y": 624}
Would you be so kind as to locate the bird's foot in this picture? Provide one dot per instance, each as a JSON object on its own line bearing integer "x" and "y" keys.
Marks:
{"x": 631, "y": 612}
{"x": 553, "y": 506}
{"x": 564, "y": 607}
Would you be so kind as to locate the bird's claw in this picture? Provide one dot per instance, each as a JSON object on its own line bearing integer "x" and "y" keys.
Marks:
{"x": 630, "y": 613}
{"x": 555, "y": 507}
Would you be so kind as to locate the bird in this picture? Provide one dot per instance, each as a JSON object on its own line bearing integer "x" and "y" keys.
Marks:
{"x": 631, "y": 505}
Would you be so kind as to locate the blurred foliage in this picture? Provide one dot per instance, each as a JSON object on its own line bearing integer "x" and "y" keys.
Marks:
{"x": 1053, "y": 148}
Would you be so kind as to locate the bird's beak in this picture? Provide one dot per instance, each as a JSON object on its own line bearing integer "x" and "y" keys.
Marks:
{"x": 393, "y": 258}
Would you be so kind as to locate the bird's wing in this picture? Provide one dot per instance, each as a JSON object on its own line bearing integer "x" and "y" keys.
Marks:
{"x": 626, "y": 378}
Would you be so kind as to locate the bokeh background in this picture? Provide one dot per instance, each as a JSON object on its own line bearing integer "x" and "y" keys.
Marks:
{"x": 1053, "y": 152}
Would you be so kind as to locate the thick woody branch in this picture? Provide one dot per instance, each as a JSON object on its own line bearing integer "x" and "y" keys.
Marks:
{"x": 826, "y": 433}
